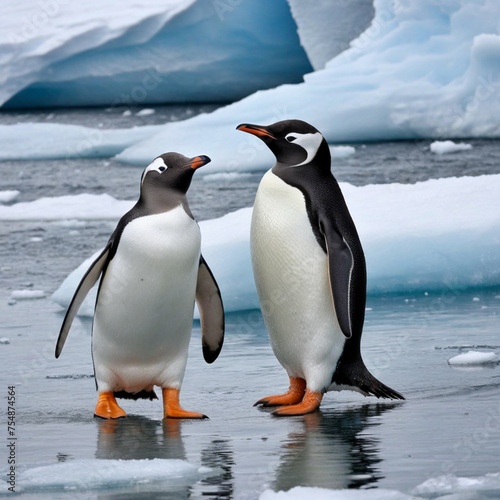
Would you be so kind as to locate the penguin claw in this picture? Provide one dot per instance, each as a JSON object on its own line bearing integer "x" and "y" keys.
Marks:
{"x": 309, "y": 404}
{"x": 172, "y": 408}
{"x": 293, "y": 396}
{"x": 107, "y": 407}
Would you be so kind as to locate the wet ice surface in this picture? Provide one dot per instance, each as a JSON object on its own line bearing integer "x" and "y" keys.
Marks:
{"x": 449, "y": 424}
{"x": 448, "y": 428}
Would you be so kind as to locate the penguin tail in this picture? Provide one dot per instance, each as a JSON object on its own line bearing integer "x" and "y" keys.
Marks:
{"x": 356, "y": 375}
{"x": 137, "y": 395}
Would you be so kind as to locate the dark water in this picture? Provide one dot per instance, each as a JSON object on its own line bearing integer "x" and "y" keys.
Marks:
{"x": 450, "y": 422}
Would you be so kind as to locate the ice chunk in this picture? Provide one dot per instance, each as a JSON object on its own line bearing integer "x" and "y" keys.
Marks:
{"x": 62, "y": 208}
{"x": 445, "y": 147}
{"x": 8, "y": 196}
{"x": 27, "y": 294}
{"x": 449, "y": 484}
{"x": 474, "y": 358}
{"x": 56, "y": 141}
{"x": 4, "y": 340}
{"x": 145, "y": 112}
{"x": 93, "y": 474}
{"x": 311, "y": 493}
{"x": 342, "y": 151}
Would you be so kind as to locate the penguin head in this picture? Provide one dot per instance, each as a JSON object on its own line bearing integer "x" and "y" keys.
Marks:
{"x": 294, "y": 143}
{"x": 170, "y": 172}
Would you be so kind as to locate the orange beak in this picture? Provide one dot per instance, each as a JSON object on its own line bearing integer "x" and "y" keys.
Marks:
{"x": 199, "y": 161}
{"x": 255, "y": 130}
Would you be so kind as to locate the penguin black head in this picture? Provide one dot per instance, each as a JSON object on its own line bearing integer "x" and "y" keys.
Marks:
{"x": 170, "y": 172}
{"x": 293, "y": 142}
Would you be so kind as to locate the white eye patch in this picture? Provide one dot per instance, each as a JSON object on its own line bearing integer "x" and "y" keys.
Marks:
{"x": 158, "y": 165}
{"x": 309, "y": 142}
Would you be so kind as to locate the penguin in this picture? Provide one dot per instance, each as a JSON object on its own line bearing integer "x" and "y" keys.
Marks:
{"x": 309, "y": 270}
{"x": 152, "y": 272}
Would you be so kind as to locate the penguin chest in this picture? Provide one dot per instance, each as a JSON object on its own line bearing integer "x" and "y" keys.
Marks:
{"x": 291, "y": 275}
{"x": 145, "y": 306}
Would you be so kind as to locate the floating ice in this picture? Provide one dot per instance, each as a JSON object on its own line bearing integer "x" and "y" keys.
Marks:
{"x": 449, "y": 484}
{"x": 437, "y": 235}
{"x": 27, "y": 294}
{"x": 474, "y": 358}
{"x": 145, "y": 112}
{"x": 311, "y": 493}
{"x": 445, "y": 147}
{"x": 67, "y": 208}
{"x": 94, "y": 474}
{"x": 4, "y": 340}
{"x": 341, "y": 151}
{"x": 55, "y": 141}
{"x": 422, "y": 69}
{"x": 8, "y": 196}
{"x": 57, "y": 53}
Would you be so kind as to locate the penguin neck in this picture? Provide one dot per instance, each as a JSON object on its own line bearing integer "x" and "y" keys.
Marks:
{"x": 161, "y": 200}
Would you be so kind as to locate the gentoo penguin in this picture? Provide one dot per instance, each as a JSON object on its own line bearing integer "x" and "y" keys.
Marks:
{"x": 151, "y": 273}
{"x": 310, "y": 271}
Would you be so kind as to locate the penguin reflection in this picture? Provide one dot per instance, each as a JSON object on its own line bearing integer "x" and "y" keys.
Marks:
{"x": 330, "y": 451}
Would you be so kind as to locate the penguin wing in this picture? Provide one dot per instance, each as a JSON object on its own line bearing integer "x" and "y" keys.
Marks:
{"x": 87, "y": 282}
{"x": 347, "y": 273}
{"x": 209, "y": 302}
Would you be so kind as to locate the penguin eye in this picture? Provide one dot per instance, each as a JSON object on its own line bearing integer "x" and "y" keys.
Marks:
{"x": 162, "y": 169}
{"x": 290, "y": 138}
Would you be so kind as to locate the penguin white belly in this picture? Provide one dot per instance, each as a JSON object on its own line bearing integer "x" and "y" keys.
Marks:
{"x": 144, "y": 313}
{"x": 291, "y": 274}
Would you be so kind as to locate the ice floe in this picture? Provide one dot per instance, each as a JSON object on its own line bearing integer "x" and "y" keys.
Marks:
{"x": 474, "y": 358}
{"x": 445, "y": 147}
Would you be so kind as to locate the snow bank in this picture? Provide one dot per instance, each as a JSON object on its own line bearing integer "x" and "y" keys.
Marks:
{"x": 422, "y": 69}
{"x": 474, "y": 358}
{"x": 8, "y": 196}
{"x": 449, "y": 484}
{"x": 57, "y": 53}
{"x": 445, "y": 147}
{"x": 94, "y": 474}
{"x": 302, "y": 492}
{"x": 438, "y": 235}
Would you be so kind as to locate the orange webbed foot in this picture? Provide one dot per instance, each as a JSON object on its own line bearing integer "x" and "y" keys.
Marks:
{"x": 309, "y": 404}
{"x": 172, "y": 408}
{"x": 107, "y": 407}
{"x": 293, "y": 396}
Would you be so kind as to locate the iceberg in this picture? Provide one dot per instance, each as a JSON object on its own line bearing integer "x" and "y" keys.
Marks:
{"x": 312, "y": 493}
{"x": 438, "y": 236}
{"x": 423, "y": 69}
{"x": 124, "y": 53}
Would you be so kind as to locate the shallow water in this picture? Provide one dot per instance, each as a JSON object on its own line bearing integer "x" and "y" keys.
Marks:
{"x": 450, "y": 422}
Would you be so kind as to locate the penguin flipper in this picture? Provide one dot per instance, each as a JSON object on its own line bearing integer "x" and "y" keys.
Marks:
{"x": 88, "y": 281}
{"x": 211, "y": 309}
{"x": 347, "y": 274}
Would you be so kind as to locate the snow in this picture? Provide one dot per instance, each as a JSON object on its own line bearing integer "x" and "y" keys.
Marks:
{"x": 439, "y": 235}
{"x": 302, "y": 492}
{"x": 474, "y": 358}
{"x": 54, "y": 53}
{"x": 60, "y": 141}
{"x": 445, "y": 147}
{"x": 87, "y": 474}
{"x": 8, "y": 196}
{"x": 422, "y": 69}
{"x": 68, "y": 208}
{"x": 27, "y": 294}
{"x": 449, "y": 484}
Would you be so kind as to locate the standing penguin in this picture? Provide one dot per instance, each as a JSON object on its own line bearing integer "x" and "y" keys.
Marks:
{"x": 310, "y": 271}
{"x": 152, "y": 272}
